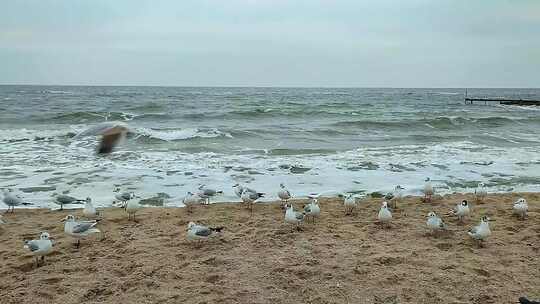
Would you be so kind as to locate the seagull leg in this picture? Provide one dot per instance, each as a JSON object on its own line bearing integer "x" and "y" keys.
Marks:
{"x": 78, "y": 243}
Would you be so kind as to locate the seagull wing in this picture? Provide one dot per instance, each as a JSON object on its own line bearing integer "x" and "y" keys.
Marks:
{"x": 32, "y": 245}
{"x": 84, "y": 226}
{"x": 203, "y": 231}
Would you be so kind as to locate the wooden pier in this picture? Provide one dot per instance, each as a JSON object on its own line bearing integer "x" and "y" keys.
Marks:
{"x": 503, "y": 101}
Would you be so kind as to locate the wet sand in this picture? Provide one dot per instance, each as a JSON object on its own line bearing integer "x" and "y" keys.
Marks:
{"x": 260, "y": 259}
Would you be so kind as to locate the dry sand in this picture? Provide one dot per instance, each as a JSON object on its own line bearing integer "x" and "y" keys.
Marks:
{"x": 259, "y": 259}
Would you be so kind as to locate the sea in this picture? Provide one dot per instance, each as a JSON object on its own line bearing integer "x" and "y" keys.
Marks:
{"x": 314, "y": 140}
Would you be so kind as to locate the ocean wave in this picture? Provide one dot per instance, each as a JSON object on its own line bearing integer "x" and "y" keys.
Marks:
{"x": 84, "y": 117}
{"x": 184, "y": 134}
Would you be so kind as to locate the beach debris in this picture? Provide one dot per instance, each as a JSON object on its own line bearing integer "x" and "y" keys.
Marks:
{"x": 39, "y": 248}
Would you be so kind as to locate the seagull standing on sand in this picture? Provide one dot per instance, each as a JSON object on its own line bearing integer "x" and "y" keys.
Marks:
{"x": 461, "y": 210}
{"x": 200, "y": 232}
{"x": 521, "y": 207}
{"x": 293, "y": 217}
{"x": 123, "y": 197}
{"x": 132, "y": 207}
{"x": 480, "y": 192}
{"x": 249, "y": 197}
{"x": 11, "y": 199}
{"x": 312, "y": 209}
{"x": 350, "y": 203}
{"x": 89, "y": 210}
{"x": 435, "y": 223}
{"x": 63, "y": 199}
{"x": 428, "y": 191}
{"x": 481, "y": 232}
{"x": 79, "y": 229}
{"x": 384, "y": 216}
{"x": 283, "y": 193}
{"x": 39, "y": 248}
{"x": 207, "y": 193}
{"x": 397, "y": 196}
{"x": 190, "y": 200}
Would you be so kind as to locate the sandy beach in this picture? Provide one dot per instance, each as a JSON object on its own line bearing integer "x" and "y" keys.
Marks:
{"x": 260, "y": 259}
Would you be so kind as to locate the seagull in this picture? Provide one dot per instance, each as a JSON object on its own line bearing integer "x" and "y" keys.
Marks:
{"x": 384, "y": 216}
{"x": 200, "y": 232}
{"x": 123, "y": 197}
{"x": 250, "y": 197}
{"x": 39, "y": 248}
{"x": 521, "y": 207}
{"x": 207, "y": 193}
{"x": 428, "y": 191}
{"x": 293, "y": 217}
{"x": 112, "y": 133}
{"x": 350, "y": 203}
{"x": 190, "y": 200}
{"x": 312, "y": 209}
{"x": 89, "y": 210}
{"x": 480, "y": 192}
{"x": 481, "y": 232}
{"x": 132, "y": 207}
{"x": 63, "y": 199}
{"x": 461, "y": 210}
{"x": 397, "y": 196}
{"x": 435, "y": 223}
{"x": 11, "y": 199}
{"x": 79, "y": 229}
{"x": 283, "y": 194}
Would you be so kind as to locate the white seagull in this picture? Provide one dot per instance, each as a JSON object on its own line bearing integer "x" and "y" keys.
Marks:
{"x": 11, "y": 199}
{"x": 39, "y": 248}
{"x": 428, "y": 191}
{"x": 200, "y": 232}
{"x": 63, "y": 199}
{"x": 283, "y": 193}
{"x": 481, "y": 232}
{"x": 521, "y": 208}
{"x": 89, "y": 210}
{"x": 132, "y": 207}
{"x": 293, "y": 217}
{"x": 79, "y": 229}
{"x": 207, "y": 193}
{"x": 435, "y": 223}
{"x": 461, "y": 210}
{"x": 350, "y": 203}
{"x": 249, "y": 197}
{"x": 480, "y": 192}
{"x": 312, "y": 209}
{"x": 190, "y": 200}
{"x": 384, "y": 216}
{"x": 397, "y": 196}
{"x": 123, "y": 197}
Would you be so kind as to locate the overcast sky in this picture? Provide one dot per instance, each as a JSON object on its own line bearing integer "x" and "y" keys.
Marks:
{"x": 379, "y": 43}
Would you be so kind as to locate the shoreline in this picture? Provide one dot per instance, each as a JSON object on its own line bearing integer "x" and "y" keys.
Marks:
{"x": 260, "y": 259}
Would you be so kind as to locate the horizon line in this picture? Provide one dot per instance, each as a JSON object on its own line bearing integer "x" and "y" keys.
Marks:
{"x": 268, "y": 86}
